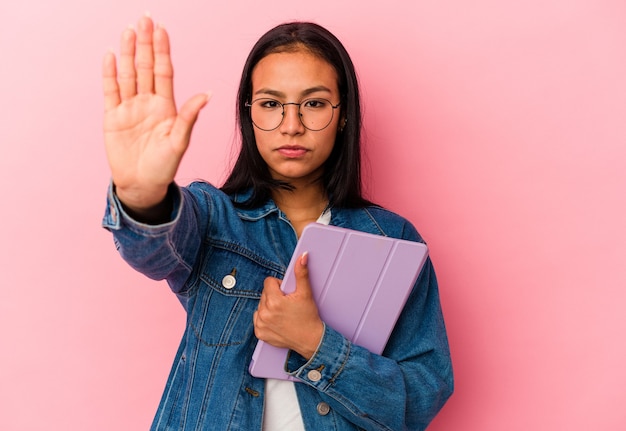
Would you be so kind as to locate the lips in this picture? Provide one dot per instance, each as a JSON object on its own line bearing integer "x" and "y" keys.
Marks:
{"x": 292, "y": 151}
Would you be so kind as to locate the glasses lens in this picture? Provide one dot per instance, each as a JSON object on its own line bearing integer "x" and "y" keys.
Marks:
{"x": 267, "y": 114}
{"x": 316, "y": 114}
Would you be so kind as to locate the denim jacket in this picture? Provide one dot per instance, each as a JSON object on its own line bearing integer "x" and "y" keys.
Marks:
{"x": 209, "y": 386}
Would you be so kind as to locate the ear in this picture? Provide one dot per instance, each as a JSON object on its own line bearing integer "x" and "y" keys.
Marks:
{"x": 342, "y": 124}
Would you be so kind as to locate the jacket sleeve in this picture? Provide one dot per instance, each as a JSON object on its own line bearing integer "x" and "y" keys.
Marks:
{"x": 402, "y": 389}
{"x": 167, "y": 250}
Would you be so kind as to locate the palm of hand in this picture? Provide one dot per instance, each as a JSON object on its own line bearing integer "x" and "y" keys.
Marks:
{"x": 145, "y": 136}
{"x": 139, "y": 143}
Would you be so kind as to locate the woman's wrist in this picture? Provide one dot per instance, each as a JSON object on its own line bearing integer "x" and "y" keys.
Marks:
{"x": 154, "y": 208}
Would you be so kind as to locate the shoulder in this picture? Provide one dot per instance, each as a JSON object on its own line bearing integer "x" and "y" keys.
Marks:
{"x": 208, "y": 198}
{"x": 203, "y": 188}
{"x": 203, "y": 192}
{"x": 205, "y": 200}
{"x": 378, "y": 220}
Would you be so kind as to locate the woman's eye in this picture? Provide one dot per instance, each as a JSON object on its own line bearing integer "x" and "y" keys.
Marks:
{"x": 270, "y": 104}
{"x": 315, "y": 103}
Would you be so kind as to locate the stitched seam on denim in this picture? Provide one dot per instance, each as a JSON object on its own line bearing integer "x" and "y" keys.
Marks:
{"x": 245, "y": 252}
{"x": 264, "y": 214}
{"x": 233, "y": 317}
{"x": 240, "y": 293}
{"x": 342, "y": 366}
{"x": 356, "y": 412}
{"x": 199, "y": 337}
{"x": 179, "y": 258}
{"x": 230, "y": 323}
{"x": 345, "y": 401}
{"x": 193, "y": 354}
{"x": 166, "y": 397}
{"x": 374, "y": 221}
{"x": 143, "y": 229}
{"x": 197, "y": 333}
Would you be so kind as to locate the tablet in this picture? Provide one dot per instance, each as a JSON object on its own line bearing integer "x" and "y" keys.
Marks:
{"x": 360, "y": 283}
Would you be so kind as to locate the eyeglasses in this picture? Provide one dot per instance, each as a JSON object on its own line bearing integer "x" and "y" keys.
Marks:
{"x": 315, "y": 114}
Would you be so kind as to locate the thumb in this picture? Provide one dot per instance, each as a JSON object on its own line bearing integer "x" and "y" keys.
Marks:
{"x": 301, "y": 271}
{"x": 187, "y": 116}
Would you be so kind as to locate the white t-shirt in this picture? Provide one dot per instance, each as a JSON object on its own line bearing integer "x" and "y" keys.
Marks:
{"x": 282, "y": 411}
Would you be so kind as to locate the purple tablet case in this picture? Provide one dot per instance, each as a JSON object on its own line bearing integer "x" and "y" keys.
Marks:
{"x": 360, "y": 283}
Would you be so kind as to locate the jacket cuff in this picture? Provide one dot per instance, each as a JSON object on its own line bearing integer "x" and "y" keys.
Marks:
{"x": 115, "y": 218}
{"x": 326, "y": 364}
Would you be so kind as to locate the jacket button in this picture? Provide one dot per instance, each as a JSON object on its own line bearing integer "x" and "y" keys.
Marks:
{"x": 229, "y": 281}
{"x": 323, "y": 408}
{"x": 314, "y": 376}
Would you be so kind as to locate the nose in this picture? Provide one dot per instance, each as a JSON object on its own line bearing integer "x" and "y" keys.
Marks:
{"x": 292, "y": 123}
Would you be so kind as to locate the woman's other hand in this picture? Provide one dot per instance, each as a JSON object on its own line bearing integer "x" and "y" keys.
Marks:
{"x": 290, "y": 320}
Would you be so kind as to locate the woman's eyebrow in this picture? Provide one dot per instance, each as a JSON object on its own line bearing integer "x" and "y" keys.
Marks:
{"x": 307, "y": 92}
{"x": 317, "y": 89}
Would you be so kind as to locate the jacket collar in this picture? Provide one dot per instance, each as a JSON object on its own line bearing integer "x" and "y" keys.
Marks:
{"x": 257, "y": 213}
{"x": 360, "y": 218}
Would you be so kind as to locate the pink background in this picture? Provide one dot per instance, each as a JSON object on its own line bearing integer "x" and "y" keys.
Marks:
{"x": 498, "y": 128}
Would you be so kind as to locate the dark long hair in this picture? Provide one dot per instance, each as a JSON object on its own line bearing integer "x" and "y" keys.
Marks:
{"x": 342, "y": 170}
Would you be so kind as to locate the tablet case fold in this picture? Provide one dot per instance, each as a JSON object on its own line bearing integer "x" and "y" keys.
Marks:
{"x": 360, "y": 283}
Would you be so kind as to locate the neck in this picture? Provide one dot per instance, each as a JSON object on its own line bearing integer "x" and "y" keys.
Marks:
{"x": 301, "y": 205}
{"x": 301, "y": 200}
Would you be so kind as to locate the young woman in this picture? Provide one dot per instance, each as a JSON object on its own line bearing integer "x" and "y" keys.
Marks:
{"x": 224, "y": 251}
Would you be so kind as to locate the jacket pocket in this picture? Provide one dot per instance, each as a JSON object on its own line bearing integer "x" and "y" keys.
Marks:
{"x": 227, "y": 295}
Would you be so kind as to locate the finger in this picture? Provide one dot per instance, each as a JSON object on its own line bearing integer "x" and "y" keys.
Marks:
{"x": 256, "y": 324}
{"x": 126, "y": 76}
{"x": 109, "y": 81}
{"x": 187, "y": 116}
{"x": 144, "y": 58}
{"x": 163, "y": 69}
{"x": 301, "y": 271}
{"x": 271, "y": 294}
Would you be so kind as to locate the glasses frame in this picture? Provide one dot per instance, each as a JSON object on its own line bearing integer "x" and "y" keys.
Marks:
{"x": 332, "y": 115}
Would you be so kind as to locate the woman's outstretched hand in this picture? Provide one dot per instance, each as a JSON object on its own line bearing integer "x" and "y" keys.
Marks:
{"x": 145, "y": 136}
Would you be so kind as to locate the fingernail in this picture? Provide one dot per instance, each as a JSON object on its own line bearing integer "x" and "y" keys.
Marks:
{"x": 304, "y": 259}
{"x": 129, "y": 33}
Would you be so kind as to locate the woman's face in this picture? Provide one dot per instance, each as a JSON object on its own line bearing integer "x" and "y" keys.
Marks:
{"x": 292, "y": 152}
